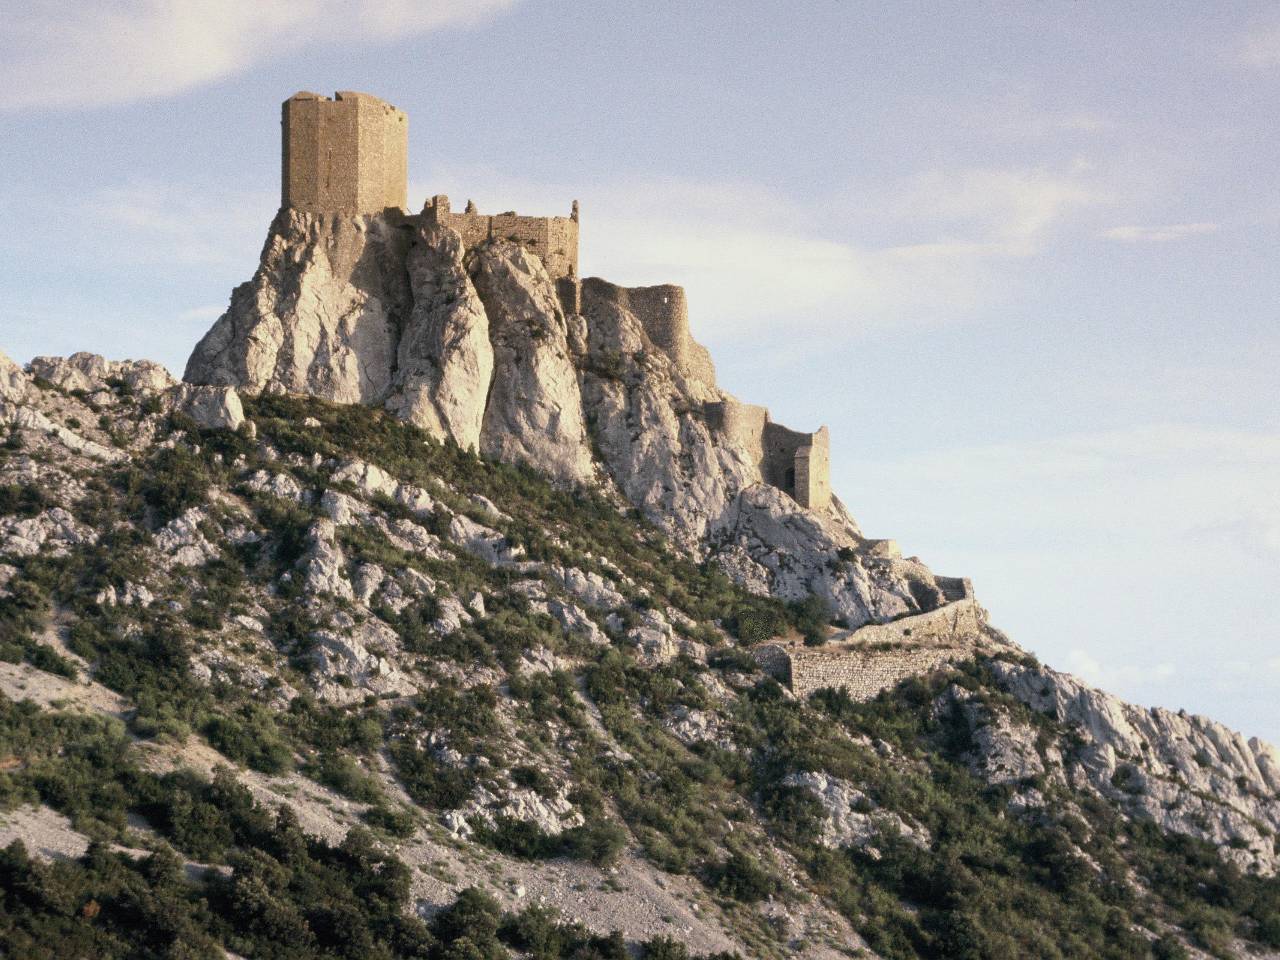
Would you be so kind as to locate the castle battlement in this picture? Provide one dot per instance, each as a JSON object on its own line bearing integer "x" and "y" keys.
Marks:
{"x": 553, "y": 239}
{"x": 349, "y": 155}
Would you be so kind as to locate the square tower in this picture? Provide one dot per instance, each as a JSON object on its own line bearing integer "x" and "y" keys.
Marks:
{"x": 346, "y": 155}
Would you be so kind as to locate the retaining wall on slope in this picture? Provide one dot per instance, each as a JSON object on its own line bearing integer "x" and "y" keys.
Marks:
{"x": 878, "y": 655}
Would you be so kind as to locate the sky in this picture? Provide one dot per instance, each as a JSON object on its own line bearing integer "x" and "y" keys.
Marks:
{"x": 1020, "y": 258}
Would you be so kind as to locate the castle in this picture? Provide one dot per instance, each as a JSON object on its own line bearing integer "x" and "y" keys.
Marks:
{"x": 349, "y": 156}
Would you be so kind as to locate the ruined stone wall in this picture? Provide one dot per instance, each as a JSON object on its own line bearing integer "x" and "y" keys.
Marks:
{"x": 877, "y": 656}
{"x": 663, "y": 311}
{"x": 799, "y": 463}
{"x": 865, "y": 674}
{"x": 741, "y": 425}
{"x": 347, "y": 155}
{"x": 553, "y": 239}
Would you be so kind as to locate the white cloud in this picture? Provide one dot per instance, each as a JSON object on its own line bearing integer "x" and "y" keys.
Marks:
{"x": 1159, "y": 234}
{"x": 1261, "y": 48}
{"x": 1109, "y": 676}
{"x": 1179, "y": 484}
{"x": 58, "y": 53}
{"x": 932, "y": 249}
{"x": 1012, "y": 206}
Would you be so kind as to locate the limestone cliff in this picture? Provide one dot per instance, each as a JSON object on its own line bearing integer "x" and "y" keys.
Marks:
{"x": 479, "y": 348}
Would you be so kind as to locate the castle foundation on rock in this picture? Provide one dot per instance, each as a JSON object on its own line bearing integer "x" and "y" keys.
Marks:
{"x": 348, "y": 157}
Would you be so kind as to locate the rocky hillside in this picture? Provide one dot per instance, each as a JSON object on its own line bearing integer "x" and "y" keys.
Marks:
{"x": 478, "y": 350}
{"x": 283, "y": 677}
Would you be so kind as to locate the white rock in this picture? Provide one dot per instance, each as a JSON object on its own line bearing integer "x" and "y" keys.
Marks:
{"x": 444, "y": 359}
{"x": 323, "y": 564}
{"x": 534, "y": 414}
{"x": 280, "y": 485}
{"x": 320, "y": 315}
{"x": 212, "y": 407}
{"x": 182, "y": 541}
{"x": 852, "y": 818}
{"x": 13, "y": 382}
{"x": 363, "y": 653}
{"x": 52, "y": 533}
{"x": 588, "y": 586}
{"x": 1189, "y": 774}
{"x": 481, "y": 541}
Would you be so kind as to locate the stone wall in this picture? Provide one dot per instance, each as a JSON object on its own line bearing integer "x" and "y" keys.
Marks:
{"x": 663, "y": 312}
{"x": 347, "y": 155}
{"x": 553, "y": 239}
{"x": 813, "y": 471}
{"x": 877, "y": 656}
{"x": 742, "y": 427}
{"x": 799, "y": 463}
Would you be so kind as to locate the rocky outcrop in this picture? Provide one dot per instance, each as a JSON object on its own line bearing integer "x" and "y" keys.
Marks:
{"x": 476, "y": 347}
{"x": 321, "y": 316}
{"x": 851, "y": 818}
{"x": 534, "y": 414}
{"x": 91, "y": 373}
{"x": 214, "y": 408}
{"x": 13, "y": 382}
{"x": 1189, "y": 774}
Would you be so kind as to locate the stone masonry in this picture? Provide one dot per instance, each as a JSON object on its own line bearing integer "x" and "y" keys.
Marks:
{"x": 663, "y": 312}
{"x": 553, "y": 239}
{"x": 877, "y": 656}
{"x": 347, "y": 155}
{"x": 794, "y": 462}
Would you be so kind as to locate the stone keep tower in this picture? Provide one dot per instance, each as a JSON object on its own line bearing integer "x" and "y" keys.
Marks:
{"x": 346, "y": 155}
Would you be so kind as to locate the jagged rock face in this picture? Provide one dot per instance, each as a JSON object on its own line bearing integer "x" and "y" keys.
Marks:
{"x": 445, "y": 360}
{"x": 13, "y": 382}
{"x": 1189, "y": 774}
{"x": 478, "y": 348}
{"x": 534, "y": 414}
{"x": 649, "y": 428}
{"x": 90, "y": 373}
{"x": 321, "y": 316}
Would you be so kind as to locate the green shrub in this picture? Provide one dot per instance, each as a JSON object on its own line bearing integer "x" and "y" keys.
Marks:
{"x": 741, "y": 877}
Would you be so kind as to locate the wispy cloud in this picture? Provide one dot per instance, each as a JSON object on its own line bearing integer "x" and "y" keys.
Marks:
{"x": 165, "y": 224}
{"x": 1013, "y": 206}
{"x": 1159, "y": 234}
{"x": 1117, "y": 676}
{"x": 936, "y": 248}
{"x": 55, "y": 53}
{"x": 202, "y": 315}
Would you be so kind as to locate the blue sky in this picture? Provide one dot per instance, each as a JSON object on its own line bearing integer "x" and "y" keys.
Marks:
{"x": 1021, "y": 258}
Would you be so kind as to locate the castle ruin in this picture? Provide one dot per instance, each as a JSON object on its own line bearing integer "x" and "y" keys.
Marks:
{"x": 349, "y": 156}
{"x": 797, "y": 463}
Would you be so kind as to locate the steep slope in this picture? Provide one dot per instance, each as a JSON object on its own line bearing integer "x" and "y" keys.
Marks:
{"x": 342, "y": 672}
